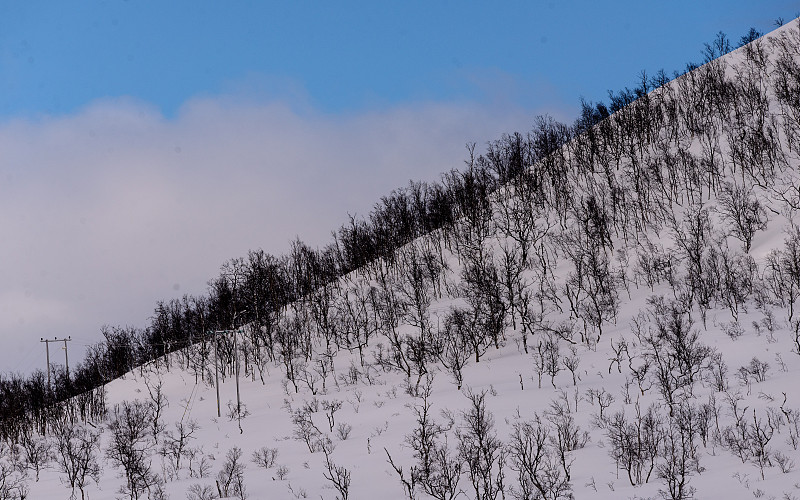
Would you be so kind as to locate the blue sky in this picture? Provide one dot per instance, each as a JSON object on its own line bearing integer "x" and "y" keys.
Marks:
{"x": 345, "y": 57}
{"x": 144, "y": 143}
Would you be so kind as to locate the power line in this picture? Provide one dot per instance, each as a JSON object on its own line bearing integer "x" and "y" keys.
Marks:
{"x": 25, "y": 361}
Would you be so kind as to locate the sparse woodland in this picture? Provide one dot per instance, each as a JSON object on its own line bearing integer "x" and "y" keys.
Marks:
{"x": 609, "y": 309}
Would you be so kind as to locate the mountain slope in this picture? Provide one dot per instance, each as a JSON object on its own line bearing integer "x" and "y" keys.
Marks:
{"x": 617, "y": 318}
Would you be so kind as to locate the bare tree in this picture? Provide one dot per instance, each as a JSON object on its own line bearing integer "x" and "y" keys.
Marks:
{"x": 386, "y": 302}
{"x": 783, "y": 272}
{"x": 635, "y": 443}
{"x": 38, "y": 452}
{"x": 743, "y": 211}
{"x": 680, "y": 453}
{"x": 604, "y": 400}
{"x": 438, "y": 471}
{"x": 265, "y": 457}
{"x": 13, "y": 483}
{"x": 175, "y": 445}
{"x": 130, "y": 447}
{"x": 481, "y": 450}
{"x": 409, "y": 481}
{"x": 760, "y": 435}
{"x": 693, "y": 236}
{"x": 158, "y": 403}
{"x": 549, "y": 355}
{"x": 338, "y": 476}
{"x": 571, "y": 362}
{"x": 669, "y": 341}
{"x": 357, "y": 321}
{"x": 306, "y": 430}
{"x": 416, "y": 289}
{"x": 483, "y": 291}
{"x": 230, "y": 479}
{"x": 451, "y": 344}
{"x": 200, "y": 492}
{"x": 565, "y": 434}
{"x": 331, "y": 407}
{"x": 77, "y": 448}
{"x": 539, "y": 470}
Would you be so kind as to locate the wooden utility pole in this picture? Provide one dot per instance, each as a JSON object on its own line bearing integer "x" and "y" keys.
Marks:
{"x": 236, "y": 366}
{"x": 216, "y": 371}
{"x": 66, "y": 353}
{"x": 216, "y": 367}
{"x": 236, "y": 359}
{"x": 47, "y": 350}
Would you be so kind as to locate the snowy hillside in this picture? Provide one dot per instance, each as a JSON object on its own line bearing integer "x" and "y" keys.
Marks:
{"x": 611, "y": 312}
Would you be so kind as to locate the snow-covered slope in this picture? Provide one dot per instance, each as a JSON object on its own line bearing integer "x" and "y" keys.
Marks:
{"x": 645, "y": 277}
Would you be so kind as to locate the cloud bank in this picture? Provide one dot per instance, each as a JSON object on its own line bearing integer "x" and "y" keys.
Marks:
{"x": 109, "y": 210}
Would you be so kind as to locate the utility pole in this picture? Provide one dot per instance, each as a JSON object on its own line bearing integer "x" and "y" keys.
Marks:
{"x": 47, "y": 350}
{"x": 236, "y": 359}
{"x": 66, "y": 353}
{"x": 236, "y": 367}
{"x": 216, "y": 371}
{"x": 216, "y": 367}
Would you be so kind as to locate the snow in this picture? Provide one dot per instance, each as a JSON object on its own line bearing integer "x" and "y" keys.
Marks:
{"x": 379, "y": 405}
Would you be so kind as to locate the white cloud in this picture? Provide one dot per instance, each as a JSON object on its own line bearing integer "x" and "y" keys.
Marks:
{"x": 106, "y": 211}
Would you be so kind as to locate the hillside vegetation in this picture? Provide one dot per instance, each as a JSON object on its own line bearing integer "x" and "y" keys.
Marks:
{"x": 604, "y": 310}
